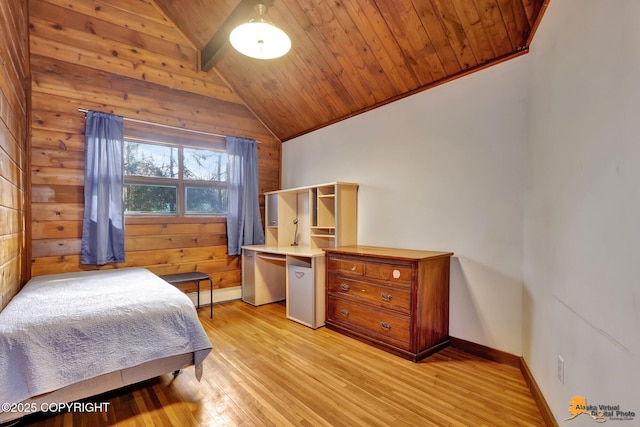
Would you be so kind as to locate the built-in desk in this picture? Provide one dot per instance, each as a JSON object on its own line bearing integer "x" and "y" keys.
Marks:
{"x": 295, "y": 274}
{"x": 299, "y": 222}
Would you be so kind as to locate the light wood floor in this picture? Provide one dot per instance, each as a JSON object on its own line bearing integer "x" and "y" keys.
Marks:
{"x": 266, "y": 370}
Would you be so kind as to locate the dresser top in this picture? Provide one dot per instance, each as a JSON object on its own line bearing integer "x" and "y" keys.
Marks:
{"x": 376, "y": 251}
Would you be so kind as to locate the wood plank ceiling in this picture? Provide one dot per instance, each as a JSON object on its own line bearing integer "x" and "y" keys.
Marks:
{"x": 349, "y": 56}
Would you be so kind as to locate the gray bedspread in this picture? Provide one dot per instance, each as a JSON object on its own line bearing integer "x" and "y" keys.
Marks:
{"x": 64, "y": 328}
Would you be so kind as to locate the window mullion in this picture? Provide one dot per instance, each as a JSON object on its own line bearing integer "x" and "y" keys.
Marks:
{"x": 172, "y": 182}
{"x": 181, "y": 191}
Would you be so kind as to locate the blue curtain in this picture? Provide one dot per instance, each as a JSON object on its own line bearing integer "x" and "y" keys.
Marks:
{"x": 244, "y": 223}
{"x": 103, "y": 224}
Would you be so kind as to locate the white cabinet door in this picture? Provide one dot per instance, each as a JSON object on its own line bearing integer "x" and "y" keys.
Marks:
{"x": 301, "y": 302}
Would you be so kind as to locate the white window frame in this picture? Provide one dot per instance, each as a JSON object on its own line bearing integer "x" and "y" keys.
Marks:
{"x": 180, "y": 183}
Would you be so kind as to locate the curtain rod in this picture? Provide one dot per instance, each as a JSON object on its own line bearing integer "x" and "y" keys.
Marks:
{"x": 82, "y": 110}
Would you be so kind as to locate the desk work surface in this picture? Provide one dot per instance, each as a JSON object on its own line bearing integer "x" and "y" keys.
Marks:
{"x": 302, "y": 251}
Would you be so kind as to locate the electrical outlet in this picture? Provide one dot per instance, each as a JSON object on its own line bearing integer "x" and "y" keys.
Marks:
{"x": 560, "y": 369}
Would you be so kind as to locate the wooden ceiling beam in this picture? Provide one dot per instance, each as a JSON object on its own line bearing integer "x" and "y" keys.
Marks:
{"x": 216, "y": 47}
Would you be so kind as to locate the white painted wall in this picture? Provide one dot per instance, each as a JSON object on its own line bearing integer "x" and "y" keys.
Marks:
{"x": 582, "y": 206}
{"x": 440, "y": 170}
{"x": 530, "y": 172}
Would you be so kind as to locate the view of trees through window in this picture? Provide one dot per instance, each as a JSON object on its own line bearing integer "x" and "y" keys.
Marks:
{"x": 174, "y": 180}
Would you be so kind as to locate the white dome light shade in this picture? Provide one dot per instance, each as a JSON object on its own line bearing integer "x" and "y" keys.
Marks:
{"x": 260, "y": 40}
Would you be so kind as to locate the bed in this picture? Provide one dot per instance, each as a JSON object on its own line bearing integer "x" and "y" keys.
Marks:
{"x": 68, "y": 336}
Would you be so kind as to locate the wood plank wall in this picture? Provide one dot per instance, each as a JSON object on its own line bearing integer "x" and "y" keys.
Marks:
{"x": 14, "y": 71}
{"x": 125, "y": 57}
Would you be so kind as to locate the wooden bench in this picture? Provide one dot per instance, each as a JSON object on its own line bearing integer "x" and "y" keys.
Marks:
{"x": 194, "y": 276}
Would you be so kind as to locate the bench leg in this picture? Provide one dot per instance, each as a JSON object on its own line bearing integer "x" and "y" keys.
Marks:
{"x": 198, "y": 306}
{"x": 210, "y": 298}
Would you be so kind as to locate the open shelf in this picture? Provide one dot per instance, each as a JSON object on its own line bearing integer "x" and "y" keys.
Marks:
{"x": 326, "y": 191}
{"x": 326, "y": 232}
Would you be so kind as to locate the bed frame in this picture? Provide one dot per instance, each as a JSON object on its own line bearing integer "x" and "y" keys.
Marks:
{"x": 103, "y": 383}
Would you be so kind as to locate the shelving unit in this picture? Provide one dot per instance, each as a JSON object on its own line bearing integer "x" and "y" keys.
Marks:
{"x": 326, "y": 216}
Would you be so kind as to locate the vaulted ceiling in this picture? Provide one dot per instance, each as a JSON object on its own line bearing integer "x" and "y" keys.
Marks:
{"x": 349, "y": 56}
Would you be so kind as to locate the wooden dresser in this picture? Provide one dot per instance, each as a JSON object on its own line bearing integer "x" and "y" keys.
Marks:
{"x": 394, "y": 299}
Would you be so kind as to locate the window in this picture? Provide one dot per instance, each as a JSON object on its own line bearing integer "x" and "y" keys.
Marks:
{"x": 164, "y": 179}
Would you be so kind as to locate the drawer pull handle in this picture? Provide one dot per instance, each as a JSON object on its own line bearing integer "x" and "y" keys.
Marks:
{"x": 386, "y": 296}
{"x": 386, "y": 326}
{"x": 353, "y": 267}
{"x": 344, "y": 312}
{"x": 396, "y": 274}
{"x": 344, "y": 287}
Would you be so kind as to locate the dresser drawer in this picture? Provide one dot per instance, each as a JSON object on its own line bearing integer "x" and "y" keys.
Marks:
{"x": 346, "y": 265}
{"x": 372, "y": 268}
{"x": 394, "y": 298}
{"x": 392, "y": 273}
{"x": 379, "y": 324}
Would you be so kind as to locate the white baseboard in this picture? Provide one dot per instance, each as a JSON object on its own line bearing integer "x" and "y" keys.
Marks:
{"x": 219, "y": 295}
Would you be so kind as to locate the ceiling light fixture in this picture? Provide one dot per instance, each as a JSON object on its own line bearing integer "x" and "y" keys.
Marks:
{"x": 259, "y": 38}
